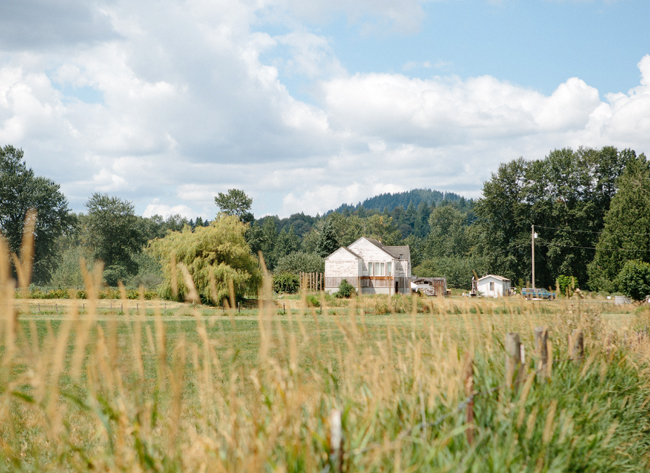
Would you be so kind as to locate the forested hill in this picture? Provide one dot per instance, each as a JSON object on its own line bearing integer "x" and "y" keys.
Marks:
{"x": 403, "y": 199}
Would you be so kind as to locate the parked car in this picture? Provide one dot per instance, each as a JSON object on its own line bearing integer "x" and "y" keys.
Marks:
{"x": 530, "y": 293}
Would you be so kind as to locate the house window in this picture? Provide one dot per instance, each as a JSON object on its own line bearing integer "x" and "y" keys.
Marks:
{"x": 370, "y": 269}
{"x": 377, "y": 273}
{"x": 389, "y": 269}
{"x": 491, "y": 286}
{"x": 381, "y": 270}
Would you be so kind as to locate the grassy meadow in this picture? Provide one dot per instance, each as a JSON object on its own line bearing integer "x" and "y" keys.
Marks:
{"x": 132, "y": 385}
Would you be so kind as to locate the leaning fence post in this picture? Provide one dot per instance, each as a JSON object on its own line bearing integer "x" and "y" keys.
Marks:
{"x": 469, "y": 392}
{"x": 336, "y": 441}
{"x": 578, "y": 345}
{"x": 513, "y": 360}
{"x": 541, "y": 344}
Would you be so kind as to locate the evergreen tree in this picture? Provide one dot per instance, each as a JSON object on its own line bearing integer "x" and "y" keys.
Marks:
{"x": 327, "y": 242}
{"x": 255, "y": 238}
{"x": 421, "y": 224}
{"x": 270, "y": 232}
{"x": 288, "y": 242}
{"x": 626, "y": 235}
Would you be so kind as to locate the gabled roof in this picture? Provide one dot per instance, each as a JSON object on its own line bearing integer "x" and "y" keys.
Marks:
{"x": 397, "y": 251}
{"x": 500, "y": 278}
{"x": 346, "y": 249}
{"x": 394, "y": 251}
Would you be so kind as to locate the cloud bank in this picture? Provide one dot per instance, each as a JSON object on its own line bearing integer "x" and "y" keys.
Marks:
{"x": 167, "y": 103}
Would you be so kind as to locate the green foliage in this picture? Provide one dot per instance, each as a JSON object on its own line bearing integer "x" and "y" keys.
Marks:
{"x": 565, "y": 282}
{"x": 114, "y": 274}
{"x": 345, "y": 290}
{"x": 327, "y": 242}
{"x": 565, "y": 195}
{"x": 449, "y": 233}
{"x": 627, "y": 225}
{"x": 219, "y": 250}
{"x": 42, "y": 292}
{"x": 634, "y": 279}
{"x": 68, "y": 271}
{"x": 457, "y": 270}
{"x": 415, "y": 197}
{"x": 21, "y": 190}
{"x": 285, "y": 282}
{"x": 300, "y": 262}
{"x": 149, "y": 272}
{"x": 269, "y": 241}
{"x": 236, "y": 203}
{"x": 114, "y": 231}
{"x": 287, "y": 242}
{"x": 312, "y": 300}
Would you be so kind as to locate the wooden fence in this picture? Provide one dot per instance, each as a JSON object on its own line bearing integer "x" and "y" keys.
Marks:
{"x": 516, "y": 373}
{"x": 312, "y": 282}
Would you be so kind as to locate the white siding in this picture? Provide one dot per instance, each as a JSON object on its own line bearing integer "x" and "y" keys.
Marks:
{"x": 343, "y": 264}
{"x": 500, "y": 288}
{"x": 369, "y": 252}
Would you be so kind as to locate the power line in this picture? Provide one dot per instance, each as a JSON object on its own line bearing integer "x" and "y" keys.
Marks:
{"x": 591, "y": 247}
{"x": 588, "y": 231}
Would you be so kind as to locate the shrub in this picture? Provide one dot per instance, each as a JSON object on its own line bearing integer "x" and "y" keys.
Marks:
{"x": 286, "y": 282}
{"x": 567, "y": 282}
{"x": 298, "y": 262}
{"x": 345, "y": 289}
{"x": 457, "y": 269}
{"x": 115, "y": 273}
{"x": 634, "y": 279}
{"x": 312, "y": 301}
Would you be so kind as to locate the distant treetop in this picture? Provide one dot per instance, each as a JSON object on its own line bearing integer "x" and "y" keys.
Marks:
{"x": 391, "y": 201}
{"x": 236, "y": 203}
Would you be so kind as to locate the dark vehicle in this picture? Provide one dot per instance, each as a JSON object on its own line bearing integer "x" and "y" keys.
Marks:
{"x": 530, "y": 293}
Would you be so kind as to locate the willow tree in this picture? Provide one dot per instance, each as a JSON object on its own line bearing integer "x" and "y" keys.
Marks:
{"x": 218, "y": 253}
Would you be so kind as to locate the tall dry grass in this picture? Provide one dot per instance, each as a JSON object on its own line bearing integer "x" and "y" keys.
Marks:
{"x": 232, "y": 394}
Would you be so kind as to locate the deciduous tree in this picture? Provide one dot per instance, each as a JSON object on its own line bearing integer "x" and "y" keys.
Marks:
{"x": 21, "y": 190}
{"x": 114, "y": 233}
{"x": 236, "y": 203}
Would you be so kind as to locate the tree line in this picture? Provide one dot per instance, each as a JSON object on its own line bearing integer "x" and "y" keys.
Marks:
{"x": 588, "y": 207}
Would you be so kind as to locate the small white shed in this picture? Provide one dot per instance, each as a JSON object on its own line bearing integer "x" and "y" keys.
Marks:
{"x": 494, "y": 286}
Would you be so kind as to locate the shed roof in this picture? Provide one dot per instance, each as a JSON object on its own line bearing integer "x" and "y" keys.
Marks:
{"x": 500, "y": 278}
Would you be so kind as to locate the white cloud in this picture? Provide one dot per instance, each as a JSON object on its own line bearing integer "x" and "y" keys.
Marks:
{"x": 191, "y": 104}
{"x": 156, "y": 208}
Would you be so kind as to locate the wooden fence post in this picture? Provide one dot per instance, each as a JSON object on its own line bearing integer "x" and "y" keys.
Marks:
{"x": 577, "y": 346}
{"x": 469, "y": 392}
{"x": 541, "y": 344}
{"x": 513, "y": 360}
{"x": 336, "y": 441}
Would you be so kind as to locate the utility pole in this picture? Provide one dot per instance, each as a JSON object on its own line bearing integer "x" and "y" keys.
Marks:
{"x": 532, "y": 246}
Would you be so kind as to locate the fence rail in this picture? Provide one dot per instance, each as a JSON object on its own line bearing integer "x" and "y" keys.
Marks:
{"x": 312, "y": 282}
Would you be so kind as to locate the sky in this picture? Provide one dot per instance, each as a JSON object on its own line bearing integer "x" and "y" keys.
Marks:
{"x": 308, "y": 104}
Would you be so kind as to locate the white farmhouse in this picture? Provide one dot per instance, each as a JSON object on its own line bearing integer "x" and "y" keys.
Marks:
{"x": 371, "y": 267}
{"x": 494, "y": 286}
